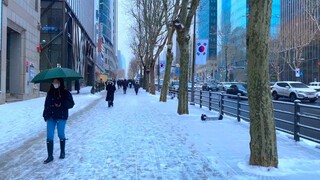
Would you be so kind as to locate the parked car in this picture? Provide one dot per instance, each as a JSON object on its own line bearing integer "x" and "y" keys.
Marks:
{"x": 236, "y": 88}
{"x": 210, "y": 86}
{"x": 293, "y": 90}
{"x": 190, "y": 86}
{"x": 223, "y": 86}
{"x": 174, "y": 85}
{"x": 316, "y": 86}
{"x": 198, "y": 86}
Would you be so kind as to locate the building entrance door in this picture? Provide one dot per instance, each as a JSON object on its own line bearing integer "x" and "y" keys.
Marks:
{"x": 14, "y": 85}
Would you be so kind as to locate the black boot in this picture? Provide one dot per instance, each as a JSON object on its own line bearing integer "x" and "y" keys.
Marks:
{"x": 109, "y": 104}
{"x": 62, "y": 148}
{"x": 50, "y": 152}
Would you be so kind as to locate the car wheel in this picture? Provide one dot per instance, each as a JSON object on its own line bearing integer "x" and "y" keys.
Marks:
{"x": 312, "y": 100}
{"x": 275, "y": 95}
{"x": 293, "y": 97}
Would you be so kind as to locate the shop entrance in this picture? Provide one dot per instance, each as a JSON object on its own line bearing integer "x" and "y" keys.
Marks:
{"x": 13, "y": 65}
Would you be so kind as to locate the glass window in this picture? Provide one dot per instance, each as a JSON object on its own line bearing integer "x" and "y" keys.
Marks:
{"x": 36, "y": 5}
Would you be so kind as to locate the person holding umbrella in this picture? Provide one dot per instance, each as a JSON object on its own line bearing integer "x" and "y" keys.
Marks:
{"x": 55, "y": 113}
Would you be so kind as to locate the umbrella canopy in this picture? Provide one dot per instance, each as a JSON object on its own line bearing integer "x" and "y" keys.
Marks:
{"x": 49, "y": 74}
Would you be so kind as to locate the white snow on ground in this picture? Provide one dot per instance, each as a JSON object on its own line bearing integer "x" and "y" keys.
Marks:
{"x": 140, "y": 138}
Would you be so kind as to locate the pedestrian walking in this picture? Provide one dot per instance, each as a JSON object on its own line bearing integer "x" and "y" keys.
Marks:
{"x": 111, "y": 88}
{"x": 119, "y": 83}
{"x": 77, "y": 86}
{"x": 55, "y": 113}
{"x": 125, "y": 86}
{"x": 136, "y": 87}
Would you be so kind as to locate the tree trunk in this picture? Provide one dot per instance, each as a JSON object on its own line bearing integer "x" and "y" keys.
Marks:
{"x": 183, "y": 78}
{"x": 152, "y": 85}
{"x": 145, "y": 78}
{"x": 263, "y": 145}
{"x": 164, "y": 89}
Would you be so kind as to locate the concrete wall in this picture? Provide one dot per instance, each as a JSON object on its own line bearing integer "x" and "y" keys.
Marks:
{"x": 23, "y": 16}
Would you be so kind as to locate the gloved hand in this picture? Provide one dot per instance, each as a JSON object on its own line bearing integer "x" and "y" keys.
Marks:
{"x": 57, "y": 103}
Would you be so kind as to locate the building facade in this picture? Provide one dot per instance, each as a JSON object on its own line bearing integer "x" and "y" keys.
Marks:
{"x": 108, "y": 23}
{"x": 206, "y": 28}
{"x": 67, "y": 32}
{"x": 19, "y": 57}
{"x": 300, "y": 34}
{"x": 233, "y": 16}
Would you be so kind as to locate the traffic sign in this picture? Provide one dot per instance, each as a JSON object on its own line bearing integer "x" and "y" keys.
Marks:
{"x": 297, "y": 72}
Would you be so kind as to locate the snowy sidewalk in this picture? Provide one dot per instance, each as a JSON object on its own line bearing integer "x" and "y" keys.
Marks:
{"x": 140, "y": 138}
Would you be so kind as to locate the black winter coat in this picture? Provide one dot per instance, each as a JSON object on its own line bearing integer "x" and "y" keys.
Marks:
{"x": 59, "y": 96}
{"x": 111, "y": 88}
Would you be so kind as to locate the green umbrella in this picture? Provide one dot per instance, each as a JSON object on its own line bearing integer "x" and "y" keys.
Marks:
{"x": 49, "y": 74}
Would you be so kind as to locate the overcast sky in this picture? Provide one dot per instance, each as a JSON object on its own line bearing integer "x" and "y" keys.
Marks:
{"x": 124, "y": 22}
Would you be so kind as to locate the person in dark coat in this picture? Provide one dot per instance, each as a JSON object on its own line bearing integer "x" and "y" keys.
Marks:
{"x": 111, "y": 88}
{"x": 119, "y": 83}
{"x": 55, "y": 113}
{"x": 77, "y": 86}
{"x": 125, "y": 86}
{"x": 136, "y": 87}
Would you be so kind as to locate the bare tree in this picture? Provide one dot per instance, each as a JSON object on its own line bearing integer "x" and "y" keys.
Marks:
{"x": 134, "y": 67}
{"x": 139, "y": 45}
{"x": 150, "y": 17}
{"x": 294, "y": 38}
{"x": 312, "y": 9}
{"x": 182, "y": 25}
{"x": 169, "y": 14}
{"x": 263, "y": 144}
{"x": 276, "y": 62}
{"x": 120, "y": 73}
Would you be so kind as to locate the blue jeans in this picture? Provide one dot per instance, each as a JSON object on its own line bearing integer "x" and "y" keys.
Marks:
{"x": 51, "y": 125}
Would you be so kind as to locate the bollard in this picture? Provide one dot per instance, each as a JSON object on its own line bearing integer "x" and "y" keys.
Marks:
{"x": 296, "y": 128}
{"x": 221, "y": 102}
{"x": 238, "y": 106}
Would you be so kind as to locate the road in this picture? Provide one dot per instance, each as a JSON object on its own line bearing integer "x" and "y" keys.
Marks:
{"x": 283, "y": 120}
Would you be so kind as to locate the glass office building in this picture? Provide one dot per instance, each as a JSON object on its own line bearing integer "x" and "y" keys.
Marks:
{"x": 66, "y": 37}
{"x": 206, "y": 25}
{"x": 108, "y": 28}
{"x": 231, "y": 44}
{"x": 302, "y": 46}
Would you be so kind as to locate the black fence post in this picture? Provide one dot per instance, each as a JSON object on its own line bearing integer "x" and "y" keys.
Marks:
{"x": 296, "y": 128}
{"x": 209, "y": 100}
{"x": 238, "y": 106}
{"x": 200, "y": 98}
{"x": 221, "y": 102}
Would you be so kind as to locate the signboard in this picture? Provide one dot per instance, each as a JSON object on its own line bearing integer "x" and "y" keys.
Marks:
{"x": 177, "y": 71}
{"x": 297, "y": 71}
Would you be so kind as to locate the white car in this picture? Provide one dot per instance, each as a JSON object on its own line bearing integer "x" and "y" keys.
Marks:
{"x": 293, "y": 90}
{"x": 316, "y": 86}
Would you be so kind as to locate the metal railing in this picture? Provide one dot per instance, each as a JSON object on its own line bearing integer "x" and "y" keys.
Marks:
{"x": 297, "y": 119}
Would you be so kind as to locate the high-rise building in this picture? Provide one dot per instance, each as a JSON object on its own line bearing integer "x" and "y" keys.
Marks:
{"x": 108, "y": 23}
{"x": 206, "y": 27}
{"x": 301, "y": 40}
{"x": 231, "y": 44}
{"x": 67, "y": 37}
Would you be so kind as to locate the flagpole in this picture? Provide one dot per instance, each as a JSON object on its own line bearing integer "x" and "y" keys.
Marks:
{"x": 193, "y": 58}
